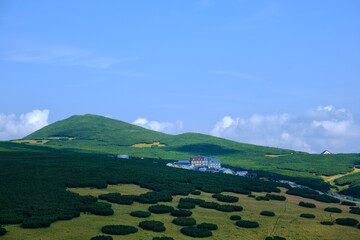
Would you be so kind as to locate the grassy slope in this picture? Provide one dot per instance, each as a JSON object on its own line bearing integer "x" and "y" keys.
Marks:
{"x": 105, "y": 135}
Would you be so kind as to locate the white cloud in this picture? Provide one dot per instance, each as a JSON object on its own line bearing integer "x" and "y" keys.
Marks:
{"x": 12, "y": 127}
{"x": 61, "y": 55}
{"x": 165, "y": 127}
{"x": 315, "y": 130}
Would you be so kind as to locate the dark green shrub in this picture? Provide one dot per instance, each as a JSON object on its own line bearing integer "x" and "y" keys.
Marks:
{"x": 102, "y": 237}
{"x": 68, "y": 215}
{"x": 186, "y": 205}
{"x": 247, "y": 224}
{"x": 155, "y": 226}
{"x": 37, "y": 222}
{"x": 326, "y": 199}
{"x": 307, "y": 205}
{"x": 307, "y": 215}
{"x": 196, "y": 232}
{"x": 333, "y": 209}
{"x": 262, "y": 198}
{"x": 251, "y": 195}
{"x": 355, "y": 211}
{"x": 348, "y": 203}
{"x": 192, "y": 200}
{"x": 196, "y": 192}
{"x": 235, "y": 217}
{"x": 98, "y": 208}
{"x": 118, "y": 229}
{"x": 181, "y": 213}
{"x": 88, "y": 199}
{"x": 208, "y": 226}
{"x": 160, "y": 209}
{"x": 347, "y": 221}
{"x": 276, "y": 197}
{"x": 229, "y": 208}
{"x": 211, "y": 205}
{"x": 225, "y": 198}
{"x": 275, "y": 238}
{"x": 11, "y": 219}
{"x": 211, "y": 189}
{"x": 2, "y": 231}
{"x": 327, "y": 223}
{"x": 117, "y": 198}
{"x": 359, "y": 226}
{"x": 267, "y": 213}
{"x": 155, "y": 197}
{"x": 162, "y": 238}
{"x": 183, "y": 221}
{"x": 140, "y": 214}
{"x": 241, "y": 191}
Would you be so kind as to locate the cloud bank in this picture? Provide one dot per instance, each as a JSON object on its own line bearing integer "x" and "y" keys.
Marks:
{"x": 313, "y": 131}
{"x": 12, "y": 127}
{"x": 166, "y": 127}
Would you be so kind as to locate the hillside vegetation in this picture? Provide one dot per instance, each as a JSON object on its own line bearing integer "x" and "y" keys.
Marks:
{"x": 104, "y": 135}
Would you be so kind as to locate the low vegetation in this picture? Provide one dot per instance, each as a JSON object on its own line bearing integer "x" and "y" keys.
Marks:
{"x": 155, "y": 226}
{"x": 184, "y": 221}
{"x": 347, "y": 221}
{"x": 333, "y": 209}
{"x": 275, "y": 197}
{"x": 307, "y": 193}
{"x": 140, "y": 214}
{"x": 117, "y": 198}
{"x": 235, "y": 217}
{"x": 225, "y": 198}
{"x": 181, "y": 213}
{"x": 102, "y": 237}
{"x": 307, "y": 205}
{"x": 162, "y": 238}
{"x": 196, "y": 232}
{"x": 267, "y": 213}
{"x": 327, "y": 223}
{"x": 307, "y": 215}
{"x": 355, "y": 211}
{"x": 346, "y": 203}
{"x": 208, "y": 226}
{"x": 159, "y": 209}
{"x": 275, "y": 238}
{"x": 118, "y": 229}
{"x": 2, "y": 231}
{"x": 247, "y": 224}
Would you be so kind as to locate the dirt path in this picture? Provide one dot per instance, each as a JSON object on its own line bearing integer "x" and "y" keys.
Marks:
{"x": 328, "y": 179}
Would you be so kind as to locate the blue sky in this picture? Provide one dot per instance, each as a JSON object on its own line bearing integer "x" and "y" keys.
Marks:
{"x": 277, "y": 73}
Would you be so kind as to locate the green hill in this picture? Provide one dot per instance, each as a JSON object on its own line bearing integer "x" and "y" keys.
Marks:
{"x": 104, "y": 135}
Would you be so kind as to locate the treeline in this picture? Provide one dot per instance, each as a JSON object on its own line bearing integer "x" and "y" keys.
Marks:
{"x": 34, "y": 181}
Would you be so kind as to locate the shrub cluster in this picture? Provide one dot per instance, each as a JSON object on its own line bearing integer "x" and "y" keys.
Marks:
{"x": 333, "y": 209}
{"x": 235, "y": 217}
{"x": 192, "y": 200}
{"x": 251, "y": 195}
{"x": 11, "y": 219}
{"x": 160, "y": 209}
{"x": 229, "y": 208}
{"x": 155, "y": 226}
{"x": 275, "y": 238}
{"x": 262, "y": 198}
{"x": 247, "y": 224}
{"x": 327, "y": 223}
{"x": 307, "y": 215}
{"x": 181, "y": 213}
{"x": 307, "y": 205}
{"x": 88, "y": 199}
{"x": 155, "y": 197}
{"x": 196, "y": 232}
{"x": 38, "y": 222}
{"x": 2, "y": 231}
{"x": 276, "y": 197}
{"x": 118, "y": 229}
{"x": 98, "y": 208}
{"x": 140, "y": 214}
{"x": 211, "y": 205}
{"x": 162, "y": 238}
{"x": 307, "y": 193}
{"x": 186, "y": 205}
{"x": 208, "y": 226}
{"x": 267, "y": 213}
{"x": 348, "y": 203}
{"x": 225, "y": 198}
{"x": 347, "y": 221}
{"x": 102, "y": 237}
{"x": 183, "y": 221}
{"x": 355, "y": 211}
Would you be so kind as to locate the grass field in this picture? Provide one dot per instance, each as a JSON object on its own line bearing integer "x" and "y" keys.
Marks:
{"x": 286, "y": 222}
